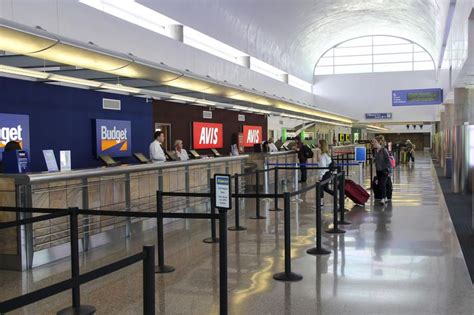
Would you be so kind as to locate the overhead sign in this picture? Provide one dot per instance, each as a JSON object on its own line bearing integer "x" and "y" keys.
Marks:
{"x": 208, "y": 135}
{"x": 113, "y": 137}
{"x": 417, "y": 97}
{"x": 252, "y": 135}
{"x": 222, "y": 191}
{"x": 378, "y": 115}
{"x": 14, "y": 128}
{"x": 360, "y": 154}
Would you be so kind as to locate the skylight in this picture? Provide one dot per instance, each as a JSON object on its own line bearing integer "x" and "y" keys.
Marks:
{"x": 374, "y": 54}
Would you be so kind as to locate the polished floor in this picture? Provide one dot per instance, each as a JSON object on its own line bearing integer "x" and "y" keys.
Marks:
{"x": 402, "y": 258}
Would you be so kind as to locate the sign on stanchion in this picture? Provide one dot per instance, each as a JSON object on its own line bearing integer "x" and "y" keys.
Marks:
{"x": 222, "y": 193}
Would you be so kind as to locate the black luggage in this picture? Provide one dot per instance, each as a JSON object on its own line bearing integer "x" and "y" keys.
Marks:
{"x": 378, "y": 192}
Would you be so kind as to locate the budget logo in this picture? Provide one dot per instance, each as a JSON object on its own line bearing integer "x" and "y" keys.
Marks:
{"x": 207, "y": 135}
{"x": 14, "y": 128}
{"x": 113, "y": 137}
{"x": 252, "y": 135}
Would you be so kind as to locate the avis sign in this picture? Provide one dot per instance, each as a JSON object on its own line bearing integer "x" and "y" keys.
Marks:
{"x": 113, "y": 137}
{"x": 207, "y": 135}
{"x": 252, "y": 135}
{"x": 14, "y": 128}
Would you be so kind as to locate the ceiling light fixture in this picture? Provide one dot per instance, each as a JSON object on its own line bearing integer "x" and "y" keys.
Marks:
{"x": 183, "y": 98}
{"x": 24, "y": 72}
{"x": 77, "y": 81}
{"x": 120, "y": 87}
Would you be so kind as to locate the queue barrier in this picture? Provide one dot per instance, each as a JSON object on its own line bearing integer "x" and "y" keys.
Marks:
{"x": 147, "y": 256}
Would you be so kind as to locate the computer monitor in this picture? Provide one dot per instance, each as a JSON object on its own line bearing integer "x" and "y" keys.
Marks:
{"x": 194, "y": 154}
{"x": 108, "y": 160}
{"x": 141, "y": 157}
{"x": 216, "y": 153}
{"x": 171, "y": 156}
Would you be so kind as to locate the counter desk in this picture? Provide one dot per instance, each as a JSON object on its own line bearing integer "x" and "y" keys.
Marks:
{"x": 122, "y": 188}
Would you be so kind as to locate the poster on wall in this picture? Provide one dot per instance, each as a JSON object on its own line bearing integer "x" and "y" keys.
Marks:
{"x": 417, "y": 97}
{"x": 14, "y": 128}
{"x": 252, "y": 135}
{"x": 208, "y": 135}
{"x": 113, "y": 137}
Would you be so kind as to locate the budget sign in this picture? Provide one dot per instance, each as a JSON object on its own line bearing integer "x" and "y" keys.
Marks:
{"x": 113, "y": 137}
{"x": 252, "y": 135}
{"x": 14, "y": 128}
{"x": 207, "y": 135}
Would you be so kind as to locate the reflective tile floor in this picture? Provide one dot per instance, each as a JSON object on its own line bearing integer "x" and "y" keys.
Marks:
{"x": 403, "y": 258}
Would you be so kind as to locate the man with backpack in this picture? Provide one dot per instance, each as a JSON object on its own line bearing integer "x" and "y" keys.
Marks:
{"x": 304, "y": 153}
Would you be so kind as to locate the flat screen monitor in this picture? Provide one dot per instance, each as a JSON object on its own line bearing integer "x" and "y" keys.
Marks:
{"x": 141, "y": 157}
{"x": 108, "y": 160}
{"x": 215, "y": 152}
{"x": 194, "y": 154}
{"x": 171, "y": 156}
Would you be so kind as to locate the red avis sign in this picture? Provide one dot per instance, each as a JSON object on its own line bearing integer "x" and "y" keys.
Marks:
{"x": 207, "y": 135}
{"x": 252, "y": 135}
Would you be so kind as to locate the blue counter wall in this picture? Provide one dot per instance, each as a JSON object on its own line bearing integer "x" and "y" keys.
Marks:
{"x": 61, "y": 119}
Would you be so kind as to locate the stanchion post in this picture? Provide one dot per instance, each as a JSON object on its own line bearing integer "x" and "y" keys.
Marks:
{"x": 76, "y": 307}
{"x": 257, "y": 199}
{"x": 318, "y": 250}
{"x": 275, "y": 191}
{"x": 335, "y": 229}
{"x": 342, "y": 197}
{"x": 213, "y": 238}
{"x": 237, "y": 226}
{"x": 287, "y": 275}
{"x": 161, "y": 268}
{"x": 223, "y": 307}
{"x": 371, "y": 173}
{"x": 149, "y": 280}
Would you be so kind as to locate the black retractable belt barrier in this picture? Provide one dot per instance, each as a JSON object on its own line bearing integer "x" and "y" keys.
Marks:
{"x": 76, "y": 307}
{"x": 237, "y": 226}
{"x": 257, "y": 198}
{"x": 318, "y": 250}
{"x": 213, "y": 238}
{"x": 342, "y": 198}
{"x": 161, "y": 268}
{"x": 287, "y": 275}
{"x": 149, "y": 281}
{"x": 275, "y": 191}
{"x": 335, "y": 229}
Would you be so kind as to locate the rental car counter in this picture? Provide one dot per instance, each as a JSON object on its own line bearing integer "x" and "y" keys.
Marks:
{"x": 122, "y": 188}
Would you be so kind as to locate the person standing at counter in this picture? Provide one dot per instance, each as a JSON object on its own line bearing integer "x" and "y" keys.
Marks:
{"x": 180, "y": 152}
{"x": 156, "y": 151}
{"x": 271, "y": 145}
{"x": 234, "y": 147}
{"x": 302, "y": 159}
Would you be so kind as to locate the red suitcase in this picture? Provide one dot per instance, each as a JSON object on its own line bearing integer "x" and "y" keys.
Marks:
{"x": 355, "y": 192}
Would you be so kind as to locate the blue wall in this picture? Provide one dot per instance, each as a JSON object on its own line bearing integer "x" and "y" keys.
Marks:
{"x": 61, "y": 119}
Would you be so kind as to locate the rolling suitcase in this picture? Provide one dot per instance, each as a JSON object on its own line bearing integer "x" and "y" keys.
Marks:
{"x": 355, "y": 192}
{"x": 376, "y": 188}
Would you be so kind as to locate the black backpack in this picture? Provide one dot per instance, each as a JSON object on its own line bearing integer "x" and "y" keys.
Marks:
{"x": 308, "y": 152}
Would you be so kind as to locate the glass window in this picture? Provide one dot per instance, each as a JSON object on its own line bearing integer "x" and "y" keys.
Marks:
{"x": 324, "y": 70}
{"x": 390, "y": 67}
{"x": 352, "y": 69}
{"x": 393, "y": 58}
{"x": 374, "y": 54}
{"x": 353, "y": 51}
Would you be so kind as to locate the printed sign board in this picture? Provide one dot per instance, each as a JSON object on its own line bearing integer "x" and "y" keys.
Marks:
{"x": 113, "y": 137}
{"x": 65, "y": 160}
{"x": 14, "y": 128}
{"x": 360, "y": 154}
{"x": 252, "y": 135}
{"x": 378, "y": 115}
{"x": 222, "y": 191}
{"x": 417, "y": 97}
{"x": 208, "y": 135}
{"x": 50, "y": 160}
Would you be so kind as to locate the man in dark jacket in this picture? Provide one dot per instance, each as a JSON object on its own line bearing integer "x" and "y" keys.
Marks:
{"x": 302, "y": 159}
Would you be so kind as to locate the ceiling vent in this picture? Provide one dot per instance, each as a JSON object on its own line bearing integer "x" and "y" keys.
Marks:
{"x": 111, "y": 104}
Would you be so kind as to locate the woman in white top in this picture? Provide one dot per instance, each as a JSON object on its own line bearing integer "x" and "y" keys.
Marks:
{"x": 325, "y": 161}
{"x": 271, "y": 146}
{"x": 180, "y": 152}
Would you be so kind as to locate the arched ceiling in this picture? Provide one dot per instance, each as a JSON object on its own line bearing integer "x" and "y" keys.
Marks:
{"x": 293, "y": 34}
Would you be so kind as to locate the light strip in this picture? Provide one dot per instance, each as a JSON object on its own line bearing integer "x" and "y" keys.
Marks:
{"x": 120, "y": 87}
{"x": 62, "y": 78}
{"x": 205, "y": 102}
{"x": 24, "y": 72}
{"x": 183, "y": 98}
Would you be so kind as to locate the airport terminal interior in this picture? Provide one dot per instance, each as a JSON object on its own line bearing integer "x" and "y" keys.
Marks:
{"x": 237, "y": 157}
